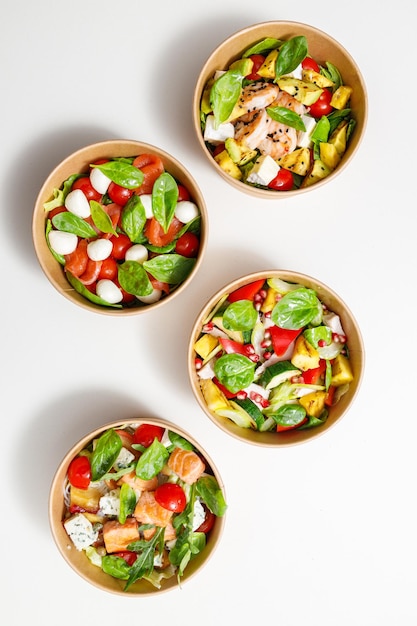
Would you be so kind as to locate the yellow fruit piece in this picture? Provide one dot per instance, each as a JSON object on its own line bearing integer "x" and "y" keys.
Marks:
{"x": 305, "y": 356}
{"x": 317, "y": 172}
{"x": 341, "y": 97}
{"x": 239, "y": 153}
{"x": 213, "y": 396}
{"x": 339, "y": 137}
{"x": 244, "y": 66}
{"x": 267, "y": 69}
{"x": 341, "y": 371}
{"x": 313, "y": 403}
{"x": 223, "y": 159}
{"x": 298, "y": 161}
{"x": 305, "y": 92}
{"x": 205, "y": 98}
{"x": 205, "y": 345}
{"x": 270, "y": 300}
{"x": 329, "y": 155}
{"x": 311, "y": 76}
{"x": 87, "y": 499}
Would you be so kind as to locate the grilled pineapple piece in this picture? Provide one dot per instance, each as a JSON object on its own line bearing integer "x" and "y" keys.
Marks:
{"x": 305, "y": 356}
{"x": 270, "y": 300}
{"x": 313, "y": 403}
{"x": 341, "y": 97}
{"x": 341, "y": 371}
{"x": 297, "y": 161}
{"x": 205, "y": 345}
{"x": 87, "y": 499}
{"x": 214, "y": 397}
{"x": 305, "y": 92}
{"x": 318, "y": 171}
{"x": 226, "y": 163}
{"x": 267, "y": 69}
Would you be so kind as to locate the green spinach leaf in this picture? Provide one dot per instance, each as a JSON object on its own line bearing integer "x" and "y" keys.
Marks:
{"x": 121, "y": 173}
{"x": 134, "y": 279}
{"x": 234, "y": 371}
{"x": 170, "y": 268}
{"x": 164, "y": 199}
{"x": 71, "y": 223}
{"x": 296, "y": 309}
{"x": 133, "y": 219}
{"x": 240, "y": 315}
{"x": 152, "y": 461}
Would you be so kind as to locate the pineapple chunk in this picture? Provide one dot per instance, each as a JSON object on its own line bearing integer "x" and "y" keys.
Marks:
{"x": 341, "y": 371}
{"x": 223, "y": 159}
{"x": 214, "y": 397}
{"x": 311, "y": 76}
{"x": 267, "y": 69}
{"x": 313, "y": 403}
{"x": 87, "y": 499}
{"x": 329, "y": 155}
{"x": 341, "y": 97}
{"x": 297, "y": 161}
{"x": 305, "y": 356}
{"x": 270, "y": 300}
{"x": 205, "y": 345}
{"x": 318, "y": 171}
{"x": 339, "y": 137}
{"x": 305, "y": 92}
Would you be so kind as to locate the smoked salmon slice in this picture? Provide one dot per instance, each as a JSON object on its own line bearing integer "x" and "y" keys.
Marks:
{"x": 186, "y": 464}
{"x": 152, "y": 167}
{"x": 117, "y": 536}
{"x": 138, "y": 484}
{"x": 148, "y": 511}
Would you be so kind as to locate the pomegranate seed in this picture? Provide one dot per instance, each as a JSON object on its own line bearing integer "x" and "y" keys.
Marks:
{"x": 207, "y": 327}
{"x": 257, "y": 297}
{"x": 335, "y": 337}
{"x": 321, "y": 343}
{"x": 254, "y": 357}
{"x": 268, "y": 314}
{"x": 198, "y": 364}
{"x": 249, "y": 349}
{"x": 267, "y": 355}
{"x": 342, "y": 338}
{"x": 241, "y": 395}
{"x": 266, "y": 343}
{"x": 264, "y": 403}
{"x": 278, "y": 297}
{"x": 256, "y": 397}
{"x": 262, "y": 294}
{"x": 258, "y": 306}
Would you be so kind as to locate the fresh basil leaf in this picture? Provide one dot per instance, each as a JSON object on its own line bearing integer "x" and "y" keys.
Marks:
{"x": 335, "y": 117}
{"x": 240, "y": 315}
{"x": 234, "y": 371}
{"x": 170, "y": 268}
{"x": 100, "y": 218}
{"x": 105, "y": 453}
{"x": 289, "y": 415}
{"x": 269, "y": 43}
{"x": 71, "y": 223}
{"x": 209, "y": 491}
{"x": 287, "y": 117}
{"x": 152, "y": 461}
{"x": 127, "y": 502}
{"x": 296, "y": 309}
{"x": 133, "y": 219}
{"x": 115, "y": 566}
{"x": 291, "y": 53}
{"x": 161, "y": 249}
{"x": 134, "y": 279}
{"x": 164, "y": 199}
{"x": 83, "y": 291}
{"x": 224, "y": 94}
{"x": 122, "y": 173}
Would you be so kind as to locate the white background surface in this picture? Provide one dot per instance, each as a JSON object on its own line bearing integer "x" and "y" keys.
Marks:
{"x": 318, "y": 534}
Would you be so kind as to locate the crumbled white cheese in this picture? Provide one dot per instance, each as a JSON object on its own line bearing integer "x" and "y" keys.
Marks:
{"x": 80, "y": 530}
{"x": 304, "y": 137}
{"x": 124, "y": 459}
{"x": 217, "y": 135}
{"x": 264, "y": 170}
{"x": 333, "y": 322}
{"x": 199, "y": 514}
{"x": 110, "y": 503}
{"x": 297, "y": 72}
{"x": 158, "y": 560}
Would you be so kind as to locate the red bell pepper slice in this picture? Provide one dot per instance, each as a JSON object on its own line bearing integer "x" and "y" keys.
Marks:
{"x": 247, "y": 292}
{"x": 329, "y": 396}
{"x": 282, "y": 338}
{"x": 234, "y": 347}
{"x": 312, "y": 376}
{"x": 222, "y": 388}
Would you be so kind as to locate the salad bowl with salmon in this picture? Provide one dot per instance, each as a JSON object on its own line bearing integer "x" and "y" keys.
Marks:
{"x": 279, "y": 108}
{"x": 137, "y": 507}
{"x": 120, "y": 227}
{"x": 275, "y": 358}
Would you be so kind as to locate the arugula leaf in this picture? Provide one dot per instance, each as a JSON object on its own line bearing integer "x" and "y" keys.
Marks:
{"x": 143, "y": 565}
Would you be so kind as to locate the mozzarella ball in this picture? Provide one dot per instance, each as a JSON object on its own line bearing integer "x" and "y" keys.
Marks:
{"x": 153, "y": 297}
{"x": 62, "y": 242}
{"x": 185, "y": 211}
{"x": 99, "y": 249}
{"x": 99, "y": 181}
{"x": 146, "y": 199}
{"x": 76, "y": 202}
{"x": 137, "y": 252}
{"x": 107, "y": 290}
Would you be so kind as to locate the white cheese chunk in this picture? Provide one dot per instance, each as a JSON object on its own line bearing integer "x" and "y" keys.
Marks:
{"x": 217, "y": 135}
{"x": 76, "y": 202}
{"x": 186, "y": 211}
{"x": 199, "y": 514}
{"x": 99, "y": 181}
{"x": 264, "y": 170}
{"x": 80, "y": 531}
{"x": 304, "y": 137}
{"x": 99, "y": 249}
{"x": 110, "y": 503}
{"x": 108, "y": 291}
{"x": 62, "y": 242}
{"x": 297, "y": 72}
{"x": 124, "y": 459}
{"x": 138, "y": 252}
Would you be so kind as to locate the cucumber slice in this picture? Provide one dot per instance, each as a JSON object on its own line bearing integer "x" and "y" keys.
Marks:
{"x": 237, "y": 415}
{"x": 252, "y": 409}
{"x": 277, "y": 373}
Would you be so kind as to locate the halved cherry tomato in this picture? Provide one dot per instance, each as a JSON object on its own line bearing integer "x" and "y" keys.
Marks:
{"x": 53, "y": 212}
{"x": 146, "y": 433}
{"x": 322, "y": 106}
{"x": 129, "y": 557}
{"x": 76, "y": 262}
{"x": 121, "y": 243}
{"x": 156, "y": 235}
{"x": 283, "y": 181}
{"x": 86, "y": 187}
{"x": 183, "y": 193}
{"x": 187, "y": 245}
{"x": 247, "y": 292}
{"x": 257, "y": 59}
{"x": 79, "y": 472}
{"x": 171, "y": 497}
{"x": 208, "y": 523}
{"x": 126, "y": 437}
{"x": 152, "y": 167}
{"x": 119, "y": 195}
{"x": 310, "y": 64}
{"x": 282, "y": 338}
{"x": 109, "y": 269}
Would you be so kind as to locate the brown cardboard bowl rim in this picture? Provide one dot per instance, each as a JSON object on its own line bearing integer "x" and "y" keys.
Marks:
{"x": 356, "y": 352}
{"x": 79, "y": 562}
{"x": 251, "y": 34}
{"x": 109, "y": 148}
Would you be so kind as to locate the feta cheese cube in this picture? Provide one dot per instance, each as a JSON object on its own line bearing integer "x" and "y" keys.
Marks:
{"x": 110, "y": 503}
{"x": 124, "y": 459}
{"x": 199, "y": 514}
{"x": 264, "y": 170}
{"x": 304, "y": 137}
{"x": 220, "y": 134}
{"x": 297, "y": 72}
{"x": 80, "y": 531}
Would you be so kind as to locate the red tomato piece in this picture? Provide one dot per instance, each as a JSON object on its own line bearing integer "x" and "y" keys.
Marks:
{"x": 53, "y": 212}
{"x": 322, "y": 106}
{"x": 119, "y": 195}
{"x": 156, "y": 235}
{"x": 247, "y": 292}
{"x": 282, "y": 338}
{"x": 127, "y": 555}
{"x": 86, "y": 187}
{"x": 310, "y": 64}
{"x": 126, "y": 437}
{"x": 257, "y": 59}
{"x": 109, "y": 269}
{"x": 187, "y": 245}
{"x": 312, "y": 376}
{"x": 76, "y": 262}
{"x": 146, "y": 433}
{"x": 283, "y": 181}
{"x": 171, "y": 497}
{"x": 121, "y": 243}
{"x": 152, "y": 167}
{"x": 79, "y": 472}
{"x": 330, "y": 396}
{"x": 208, "y": 523}
{"x": 157, "y": 284}
{"x": 183, "y": 193}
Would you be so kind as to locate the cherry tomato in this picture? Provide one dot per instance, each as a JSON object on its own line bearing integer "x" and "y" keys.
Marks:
{"x": 283, "y": 181}
{"x": 146, "y": 433}
{"x": 310, "y": 64}
{"x": 257, "y": 59}
{"x": 119, "y": 195}
{"x": 183, "y": 193}
{"x": 79, "y": 472}
{"x": 129, "y": 557}
{"x": 53, "y": 212}
{"x": 171, "y": 497}
{"x": 120, "y": 244}
{"x": 322, "y": 106}
{"x": 187, "y": 245}
{"x": 86, "y": 187}
{"x": 126, "y": 437}
{"x": 156, "y": 235}
{"x": 109, "y": 269}
{"x": 208, "y": 523}
{"x": 127, "y": 297}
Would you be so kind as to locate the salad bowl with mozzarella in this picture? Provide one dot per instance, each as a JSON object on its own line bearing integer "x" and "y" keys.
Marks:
{"x": 137, "y": 507}
{"x": 279, "y": 108}
{"x": 120, "y": 227}
{"x": 275, "y": 358}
